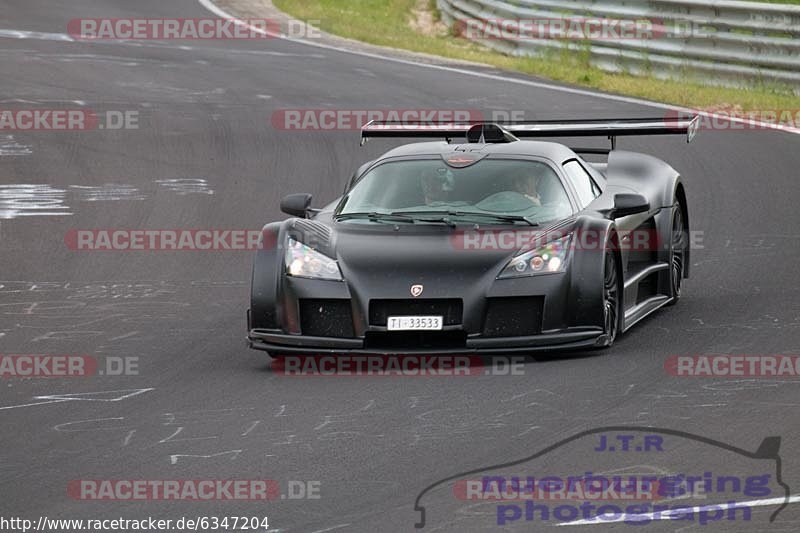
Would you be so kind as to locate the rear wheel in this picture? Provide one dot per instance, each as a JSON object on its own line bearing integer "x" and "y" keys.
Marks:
{"x": 611, "y": 298}
{"x": 679, "y": 243}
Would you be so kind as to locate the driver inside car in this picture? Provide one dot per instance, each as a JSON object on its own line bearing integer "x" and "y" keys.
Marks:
{"x": 526, "y": 185}
{"x": 436, "y": 185}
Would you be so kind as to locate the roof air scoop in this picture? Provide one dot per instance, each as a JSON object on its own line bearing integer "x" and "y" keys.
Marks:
{"x": 489, "y": 133}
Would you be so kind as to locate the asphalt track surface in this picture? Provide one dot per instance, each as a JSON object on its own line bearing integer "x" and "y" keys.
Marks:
{"x": 373, "y": 443}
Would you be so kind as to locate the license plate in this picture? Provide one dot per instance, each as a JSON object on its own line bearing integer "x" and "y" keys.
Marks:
{"x": 401, "y": 323}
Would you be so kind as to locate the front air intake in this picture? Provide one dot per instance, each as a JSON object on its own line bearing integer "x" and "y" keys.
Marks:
{"x": 326, "y": 318}
{"x": 514, "y": 316}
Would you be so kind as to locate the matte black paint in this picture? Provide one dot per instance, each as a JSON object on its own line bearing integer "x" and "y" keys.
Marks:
{"x": 382, "y": 261}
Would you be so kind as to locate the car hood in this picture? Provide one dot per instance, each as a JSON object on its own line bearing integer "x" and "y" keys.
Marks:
{"x": 388, "y": 263}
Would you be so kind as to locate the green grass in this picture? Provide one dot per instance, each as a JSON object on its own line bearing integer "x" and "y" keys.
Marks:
{"x": 387, "y": 23}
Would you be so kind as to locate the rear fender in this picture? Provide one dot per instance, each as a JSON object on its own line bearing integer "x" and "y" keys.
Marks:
{"x": 645, "y": 174}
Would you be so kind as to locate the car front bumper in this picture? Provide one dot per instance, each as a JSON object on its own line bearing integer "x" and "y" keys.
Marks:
{"x": 278, "y": 342}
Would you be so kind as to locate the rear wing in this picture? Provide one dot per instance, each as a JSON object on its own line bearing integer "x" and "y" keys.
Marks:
{"x": 499, "y": 132}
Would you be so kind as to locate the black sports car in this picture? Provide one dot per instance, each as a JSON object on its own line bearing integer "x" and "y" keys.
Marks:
{"x": 483, "y": 243}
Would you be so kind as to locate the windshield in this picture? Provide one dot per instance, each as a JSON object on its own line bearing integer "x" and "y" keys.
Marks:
{"x": 524, "y": 189}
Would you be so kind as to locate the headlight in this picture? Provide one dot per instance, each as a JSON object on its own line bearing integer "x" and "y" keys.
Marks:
{"x": 305, "y": 262}
{"x": 552, "y": 257}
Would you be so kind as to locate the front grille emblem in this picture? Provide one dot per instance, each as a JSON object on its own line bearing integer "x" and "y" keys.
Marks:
{"x": 416, "y": 290}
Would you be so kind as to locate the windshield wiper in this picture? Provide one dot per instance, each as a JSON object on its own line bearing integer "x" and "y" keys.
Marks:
{"x": 377, "y": 217}
{"x": 395, "y": 217}
{"x": 506, "y": 218}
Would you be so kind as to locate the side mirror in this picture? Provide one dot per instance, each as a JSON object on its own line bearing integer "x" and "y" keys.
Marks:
{"x": 297, "y": 205}
{"x": 629, "y": 204}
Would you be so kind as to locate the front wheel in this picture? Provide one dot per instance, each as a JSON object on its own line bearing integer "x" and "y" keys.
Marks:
{"x": 611, "y": 298}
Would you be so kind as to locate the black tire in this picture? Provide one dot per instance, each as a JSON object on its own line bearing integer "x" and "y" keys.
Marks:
{"x": 678, "y": 245}
{"x": 612, "y": 296}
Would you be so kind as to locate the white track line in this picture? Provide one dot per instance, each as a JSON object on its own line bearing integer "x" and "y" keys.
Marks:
{"x": 23, "y": 34}
{"x": 209, "y": 5}
{"x": 667, "y": 515}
